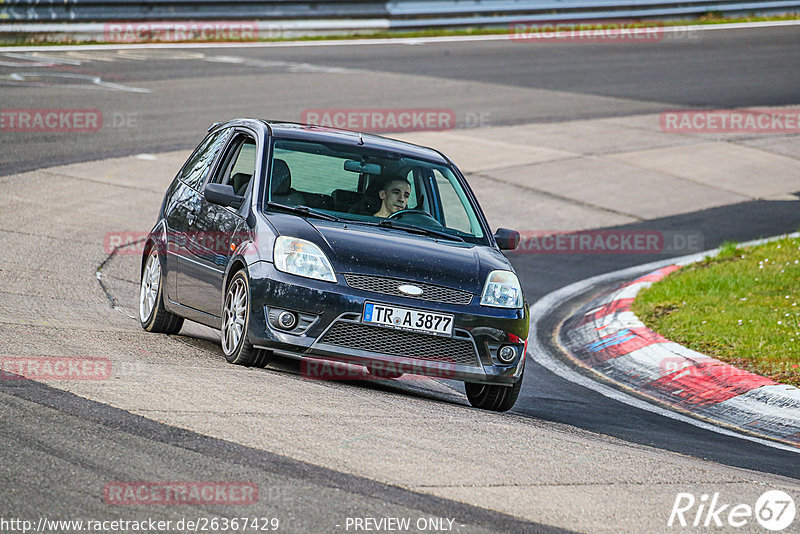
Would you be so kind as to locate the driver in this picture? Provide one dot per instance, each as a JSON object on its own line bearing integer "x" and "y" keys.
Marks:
{"x": 394, "y": 196}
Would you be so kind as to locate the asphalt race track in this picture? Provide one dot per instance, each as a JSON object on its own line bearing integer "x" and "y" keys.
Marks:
{"x": 485, "y": 83}
{"x": 150, "y": 427}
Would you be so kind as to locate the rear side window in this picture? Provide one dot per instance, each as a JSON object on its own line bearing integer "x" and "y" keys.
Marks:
{"x": 196, "y": 168}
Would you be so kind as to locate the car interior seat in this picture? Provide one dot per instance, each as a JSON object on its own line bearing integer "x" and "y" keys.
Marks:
{"x": 343, "y": 199}
{"x": 369, "y": 202}
{"x": 281, "y": 185}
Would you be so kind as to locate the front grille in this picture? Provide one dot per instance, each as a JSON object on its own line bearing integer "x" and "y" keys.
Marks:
{"x": 388, "y": 286}
{"x": 400, "y": 343}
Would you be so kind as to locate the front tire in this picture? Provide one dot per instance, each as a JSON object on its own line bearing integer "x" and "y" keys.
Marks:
{"x": 153, "y": 316}
{"x": 492, "y": 396}
{"x": 235, "y": 323}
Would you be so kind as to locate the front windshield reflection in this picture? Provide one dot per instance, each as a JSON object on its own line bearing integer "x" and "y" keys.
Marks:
{"x": 359, "y": 184}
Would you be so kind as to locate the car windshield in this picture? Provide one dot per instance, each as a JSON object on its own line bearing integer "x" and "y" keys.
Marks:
{"x": 369, "y": 186}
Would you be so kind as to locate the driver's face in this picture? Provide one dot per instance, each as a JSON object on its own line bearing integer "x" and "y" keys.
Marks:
{"x": 395, "y": 196}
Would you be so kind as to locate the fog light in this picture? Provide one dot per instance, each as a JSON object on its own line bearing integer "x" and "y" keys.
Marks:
{"x": 507, "y": 353}
{"x": 287, "y": 320}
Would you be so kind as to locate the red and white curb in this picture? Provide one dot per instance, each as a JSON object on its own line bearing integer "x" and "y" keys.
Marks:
{"x": 606, "y": 337}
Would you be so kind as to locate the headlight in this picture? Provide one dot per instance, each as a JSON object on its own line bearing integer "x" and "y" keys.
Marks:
{"x": 502, "y": 290}
{"x": 303, "y": 258}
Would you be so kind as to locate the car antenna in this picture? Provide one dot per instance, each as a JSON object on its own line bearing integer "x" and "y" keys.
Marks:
{"x": 360, "y": 139}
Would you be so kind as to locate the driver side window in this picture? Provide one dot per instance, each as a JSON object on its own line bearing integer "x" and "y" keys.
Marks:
{"x": 238, "y": 164}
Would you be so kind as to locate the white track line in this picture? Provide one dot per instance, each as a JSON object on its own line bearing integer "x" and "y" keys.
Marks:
{"x": 541, "y": 356}
{"x": 382, "y": 41}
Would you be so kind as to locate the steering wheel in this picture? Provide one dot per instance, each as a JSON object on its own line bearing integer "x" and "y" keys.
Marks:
{"x": 413, "y": 214}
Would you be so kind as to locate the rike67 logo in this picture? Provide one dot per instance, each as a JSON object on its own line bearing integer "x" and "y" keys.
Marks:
{"x": 774, "y": 510}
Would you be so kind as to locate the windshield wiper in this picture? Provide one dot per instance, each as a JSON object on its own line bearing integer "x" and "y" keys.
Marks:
{"x": 414, "y": 229}
{"x": 304, "y": 210}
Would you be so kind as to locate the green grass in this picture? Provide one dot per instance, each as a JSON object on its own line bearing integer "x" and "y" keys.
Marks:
{"x": 741, "y": 306}
{"x": 710, "y": 18}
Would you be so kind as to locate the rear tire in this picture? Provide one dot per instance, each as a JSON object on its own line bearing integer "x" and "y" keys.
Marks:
{"x": 235, "y": 323}
{"x": 153, "y": 316}
{"x": 492, "y": 396}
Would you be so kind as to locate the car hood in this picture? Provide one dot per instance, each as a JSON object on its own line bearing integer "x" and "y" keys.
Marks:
{"x": 354, "y": 248}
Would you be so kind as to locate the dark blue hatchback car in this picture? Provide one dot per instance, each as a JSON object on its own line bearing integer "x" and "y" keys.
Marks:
{"x": 326, "y": 244}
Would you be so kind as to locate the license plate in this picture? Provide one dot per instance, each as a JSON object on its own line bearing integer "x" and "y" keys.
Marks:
{"x": 408, "y": 319}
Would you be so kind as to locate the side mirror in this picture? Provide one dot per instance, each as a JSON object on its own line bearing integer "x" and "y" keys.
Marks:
{"x": 222, "y": 195}
{"x": 506, "y": 239}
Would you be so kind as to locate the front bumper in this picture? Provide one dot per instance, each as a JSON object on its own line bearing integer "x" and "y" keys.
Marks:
{"x": 331, "y": 328}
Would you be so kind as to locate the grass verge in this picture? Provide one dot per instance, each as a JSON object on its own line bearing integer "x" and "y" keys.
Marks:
{"x": 741, "y": 306}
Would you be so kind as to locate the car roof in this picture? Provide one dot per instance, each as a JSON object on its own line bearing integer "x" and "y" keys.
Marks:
{"x": 311, "y": 132}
